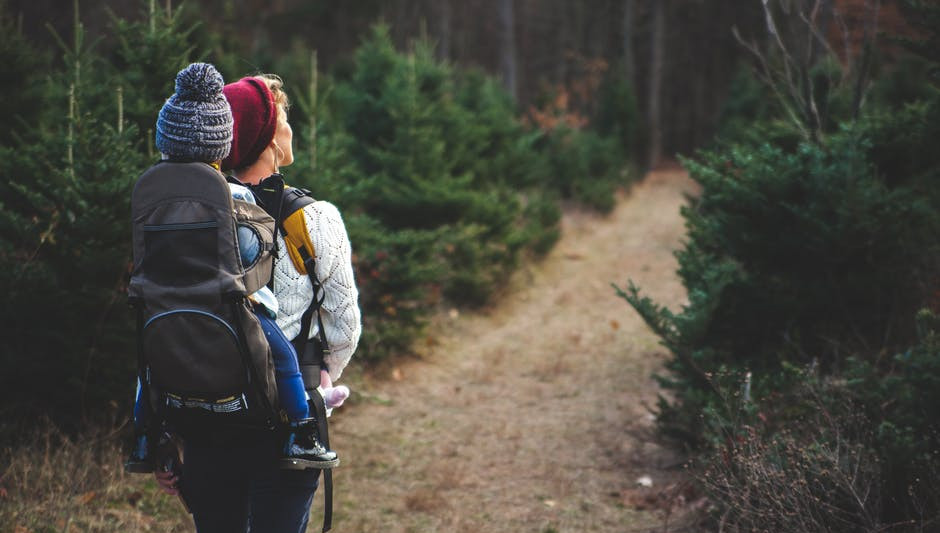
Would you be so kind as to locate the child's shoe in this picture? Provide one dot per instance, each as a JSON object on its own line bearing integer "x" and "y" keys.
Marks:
{"x": 140, "y": 460}
{"x": 146, "y": 453}
{"x": 304, "y": 450}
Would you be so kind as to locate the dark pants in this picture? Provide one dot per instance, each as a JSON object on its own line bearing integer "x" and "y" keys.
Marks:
{"x": 236, "y": 486}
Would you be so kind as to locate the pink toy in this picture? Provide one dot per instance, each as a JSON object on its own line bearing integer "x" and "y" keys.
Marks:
{"x": 332, "y": 396}
{"x": 335, "y": 396}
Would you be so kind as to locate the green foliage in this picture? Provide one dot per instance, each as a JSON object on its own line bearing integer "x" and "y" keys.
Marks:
{"x": 583, "y": 166}
{"x": 805, "y": 264}
{"x": 617, "y": 115}
{"x": 801, "y": 256}
{"x": 859, "y": 453}
{"x": 21, "y": 78}
{"x": 148, "y": 54}
{"x": 64, "y": 253}
{"x": 436, "y": 177}
{"x": 65, "y": 247}
{"x": 898, "y": 396}
{"x": 395, "y": 273}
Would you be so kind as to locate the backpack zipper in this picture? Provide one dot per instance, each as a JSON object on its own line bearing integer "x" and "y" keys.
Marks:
{"x": 181, "y": 226}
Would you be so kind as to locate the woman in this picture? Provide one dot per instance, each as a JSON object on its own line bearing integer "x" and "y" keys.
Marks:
{"x": 233, "y": 481}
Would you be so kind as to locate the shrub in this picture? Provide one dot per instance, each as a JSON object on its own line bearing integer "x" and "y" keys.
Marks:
{"x": 795, "y": 257}
{"x": 897, "y": 395}
{"x": 617, "y": 115}
{"x": 786, "y": 482}
{"x": 438, "y": 181}
{"x": 23, "y": 90}
{"x": 805, "y": 264}
{"x": 64, "y": 250}
{"x": 854, "y": 454}
{"x": 583, "y": 166}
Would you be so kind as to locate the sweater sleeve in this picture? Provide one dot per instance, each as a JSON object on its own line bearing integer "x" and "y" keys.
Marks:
{"x": 340, "y": 310}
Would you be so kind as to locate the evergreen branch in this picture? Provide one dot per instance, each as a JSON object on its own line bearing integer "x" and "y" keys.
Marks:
{"x": 661, "y": 321}
{"x": 99, "y": 327}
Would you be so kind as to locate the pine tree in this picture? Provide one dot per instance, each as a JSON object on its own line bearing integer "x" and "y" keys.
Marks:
{"x": 64, "y": 246}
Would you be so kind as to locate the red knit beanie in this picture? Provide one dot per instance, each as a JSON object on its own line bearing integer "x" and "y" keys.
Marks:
{"x": 255, "y": 115}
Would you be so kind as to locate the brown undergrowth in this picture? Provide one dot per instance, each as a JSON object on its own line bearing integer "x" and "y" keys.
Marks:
{"x": 56, "y": 483}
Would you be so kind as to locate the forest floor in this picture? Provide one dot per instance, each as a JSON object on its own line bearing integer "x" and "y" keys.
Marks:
{"x": 528, "y": 416}
{"x": 532, "y": 415}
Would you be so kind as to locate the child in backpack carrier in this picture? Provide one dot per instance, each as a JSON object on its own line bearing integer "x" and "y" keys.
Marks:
{"x": 302, "y": 448}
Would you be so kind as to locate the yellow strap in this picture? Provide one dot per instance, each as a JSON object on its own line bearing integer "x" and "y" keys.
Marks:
{"x": 297, "y": 236}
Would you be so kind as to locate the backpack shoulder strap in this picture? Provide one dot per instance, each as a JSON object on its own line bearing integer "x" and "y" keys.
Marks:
{"x": 300, "y": 249}
{"x": 286, "y": 205}
{"x": 293, "y": 227}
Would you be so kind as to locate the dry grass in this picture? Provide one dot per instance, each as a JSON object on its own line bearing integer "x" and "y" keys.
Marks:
{"x": 518, "y": 418}
{"x": 56, "y": 483}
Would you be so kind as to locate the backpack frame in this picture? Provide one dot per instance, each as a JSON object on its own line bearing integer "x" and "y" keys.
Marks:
{"x": 202, "y": 356}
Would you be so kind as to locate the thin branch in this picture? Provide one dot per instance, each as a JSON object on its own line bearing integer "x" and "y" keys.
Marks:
{"x": 871, "y": 29}
{"x": 766, "y": 75}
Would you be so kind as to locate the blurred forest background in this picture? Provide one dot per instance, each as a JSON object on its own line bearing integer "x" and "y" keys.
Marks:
{"x": 448, "y": 132}
{"x": 804, "y": 373}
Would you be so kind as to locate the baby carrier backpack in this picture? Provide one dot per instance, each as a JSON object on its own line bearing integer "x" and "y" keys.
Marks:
{"x": 203, "y": 360}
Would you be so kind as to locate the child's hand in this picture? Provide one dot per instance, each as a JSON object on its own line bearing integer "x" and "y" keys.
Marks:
{"x": 326, "y": 381}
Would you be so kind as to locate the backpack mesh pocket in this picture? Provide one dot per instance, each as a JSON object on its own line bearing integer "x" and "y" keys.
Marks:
{"x": 181, "y": 254}
{"x": 193, "y": 352}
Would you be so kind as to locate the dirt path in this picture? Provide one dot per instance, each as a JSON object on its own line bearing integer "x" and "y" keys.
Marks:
{"x": 519, "y": 419}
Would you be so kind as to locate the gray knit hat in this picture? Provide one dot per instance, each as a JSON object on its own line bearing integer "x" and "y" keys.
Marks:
{"x": 195, "y": 123}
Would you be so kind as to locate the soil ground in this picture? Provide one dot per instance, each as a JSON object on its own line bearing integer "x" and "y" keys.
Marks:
{"x": 529, "y": 416}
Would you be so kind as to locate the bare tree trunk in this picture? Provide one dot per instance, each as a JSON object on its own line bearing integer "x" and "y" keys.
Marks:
{"x": 699, "y": 113}
{"x": 507, "y": 45}
{"x": 597, "y": 24}
{"x": 654, "y": 116}
{"x": 443, "y": 47}
{"x": 823, "y": 21}
{"x": 629, "y": 63}
{"x": 312, "y": 95}
{"x": 562, "y": 41}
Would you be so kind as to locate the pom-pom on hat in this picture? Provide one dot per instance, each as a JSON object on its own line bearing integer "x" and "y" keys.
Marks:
{"x": 255, "y": 115}
{"x": 195, "y": 123}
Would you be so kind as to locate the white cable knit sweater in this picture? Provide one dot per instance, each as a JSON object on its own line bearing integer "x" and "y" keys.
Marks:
{"x": 340, "y": 311}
